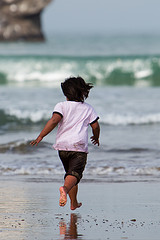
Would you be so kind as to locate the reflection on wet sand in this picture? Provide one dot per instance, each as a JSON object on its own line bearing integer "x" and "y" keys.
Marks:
{"x": 69, "y": 231}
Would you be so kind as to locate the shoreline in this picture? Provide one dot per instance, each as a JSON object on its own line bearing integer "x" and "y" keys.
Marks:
{"x": 30, "y": 210}
{"x": 88, "y": 179}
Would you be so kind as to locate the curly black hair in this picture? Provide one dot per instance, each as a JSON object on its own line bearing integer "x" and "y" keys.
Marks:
{"x": 76, "y": 89}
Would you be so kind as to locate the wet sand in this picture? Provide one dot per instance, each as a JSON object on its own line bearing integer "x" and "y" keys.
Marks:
{"x": 29, "y": 210}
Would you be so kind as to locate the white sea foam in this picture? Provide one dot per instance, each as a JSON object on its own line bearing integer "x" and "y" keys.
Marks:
{"x": 143, "y": 73}
{"x": 110, "y": 119}
{"x": 34, "y": 116}
{"x": 117, "y": 119}
{"x": 26, "y": 170}
{"x": 97, "y": 171}
{"x": 43, "y": 71}
{"x": 50, "y": 71}
{"x": 51, "y": 77}
{"x": 122, "y": 171}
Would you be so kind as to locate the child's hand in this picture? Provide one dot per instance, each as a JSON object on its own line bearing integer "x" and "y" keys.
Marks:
{"x": 35, "y": 142}
{"x": 94, "y": 140}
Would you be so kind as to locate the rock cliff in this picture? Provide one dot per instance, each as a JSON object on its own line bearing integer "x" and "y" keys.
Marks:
{"x": 20, "y": 20}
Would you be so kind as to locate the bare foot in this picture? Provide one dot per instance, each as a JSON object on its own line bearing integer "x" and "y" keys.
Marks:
{"x": 63, "y": 197}
{"x": 75, "y": 205}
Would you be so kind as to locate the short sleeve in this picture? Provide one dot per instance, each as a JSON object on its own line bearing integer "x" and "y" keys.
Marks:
{"x": 93, "y": 116}
{"x": 58, "y": 109}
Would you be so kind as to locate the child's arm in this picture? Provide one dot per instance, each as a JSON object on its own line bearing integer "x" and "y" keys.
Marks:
{"x": 96, "y": 132}
{"x": 50, "y": 125}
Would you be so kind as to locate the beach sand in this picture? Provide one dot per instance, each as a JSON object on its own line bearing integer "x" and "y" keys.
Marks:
{"x": 29, "y": 210}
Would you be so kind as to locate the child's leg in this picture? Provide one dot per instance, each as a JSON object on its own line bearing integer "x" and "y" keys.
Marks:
{"x": 69, "y": 183}
{"x": 70, "y": 188}
{"x": 73, "y": 197}
{"x": 74, "y": 164}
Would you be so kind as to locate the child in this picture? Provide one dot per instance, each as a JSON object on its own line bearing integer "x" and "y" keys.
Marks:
{"x": 73, "y": 118}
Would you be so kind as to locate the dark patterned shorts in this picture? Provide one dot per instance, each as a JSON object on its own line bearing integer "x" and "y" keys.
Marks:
{"x": 73, "y": 163}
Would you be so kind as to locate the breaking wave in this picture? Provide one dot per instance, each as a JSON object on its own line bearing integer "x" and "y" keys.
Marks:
{"x": 123, "y": 171}
{"x": 89, "y": 172}
{"x": 52, "y": 168}
{"x": 22, "y": 147}
{"x": 51, "y": 70}
{"x": 30, "y": 118}
{"x": 22, "y": 118}
{"x": 117, "y": 119}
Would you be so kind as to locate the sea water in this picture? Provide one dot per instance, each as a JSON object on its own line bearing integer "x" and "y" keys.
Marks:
{"x": 125, "y": 72}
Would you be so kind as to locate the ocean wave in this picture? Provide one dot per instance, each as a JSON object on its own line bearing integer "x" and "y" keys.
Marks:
{"x": 19, "y": 158}
{"x": 51, "y": 70}
{"x": 124, "y": 171}
{"x": 22, "y": 147}
{"x": 28, "y": 118}
{"x": 103, "y": 172}
{"x": 17, "y": 117}
{"x": 26, "y": 170}
{"x": 117, "y": 119}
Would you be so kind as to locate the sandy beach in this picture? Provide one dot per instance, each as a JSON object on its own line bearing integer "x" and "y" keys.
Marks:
{"x": 29, "y": 210}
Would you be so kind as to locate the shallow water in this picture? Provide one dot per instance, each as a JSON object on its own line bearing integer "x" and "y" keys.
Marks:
{"x": 129, "y": 119}
{"x": 123, "y": 69}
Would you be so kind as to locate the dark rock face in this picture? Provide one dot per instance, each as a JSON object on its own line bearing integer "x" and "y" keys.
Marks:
{"x": 20, "y": 20}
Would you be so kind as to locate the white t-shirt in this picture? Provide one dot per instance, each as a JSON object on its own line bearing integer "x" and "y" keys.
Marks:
{"x": 72, "y": 133}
